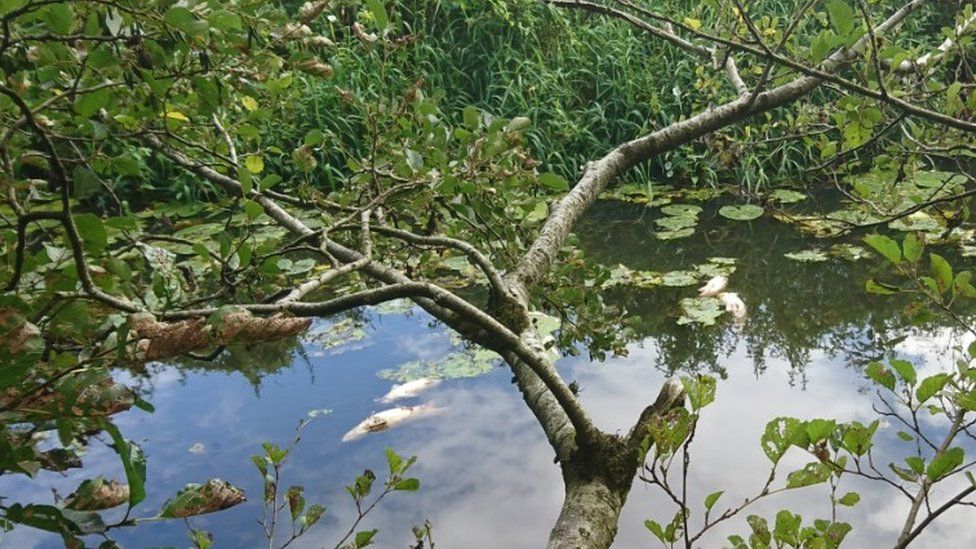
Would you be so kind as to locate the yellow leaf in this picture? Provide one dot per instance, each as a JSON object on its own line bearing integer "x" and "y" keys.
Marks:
{"x": 694, "y": 24}
{"x": 177, "y": 115}
{"x": 249, "y": 103}
{"x": 254, "y": 164}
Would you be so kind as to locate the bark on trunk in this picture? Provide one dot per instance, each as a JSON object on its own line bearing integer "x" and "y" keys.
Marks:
{"x": 589, "y": 515}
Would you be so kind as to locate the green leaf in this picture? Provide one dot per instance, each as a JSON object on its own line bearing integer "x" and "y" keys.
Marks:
{"x": 841, "y": 16}
{"x": 812, "y": 473}
{"x": 134, "y": 463}
{"x": 471, "y": 117}
{"x": 880, "y": 375}
{"x": 86, "y": 182}
{"x": 378, "y": 10}
{"x": 820, "y": 429}
{"x": 312, "y": 516}
{"x": 885, "y": 246}
{"x": 905, "y": 370}
{"x": 655, "y": 528}
{"x": 942, "y": 271}
{"x": 314, "y": 138}
{"x": 780, "y": 434}
{"x": 699, "y": 390}
{"x": 945, "y": 463}
{"x": 760, "y": 528}
{"x": 60, "y": 18}
{"x": 252, "y": 209}
{"x": 857, "y": 437}
{"x": 712, "y": 499}
{"x": 365, "y": 537}
{"x": 849, "y": 499}
{"x": 254, "y": 164}
{"x": 930, "y": 386}
{"x": 89, "y": 103}
{"x": 407, "y": 485}
{"x": 553, "y": 181}
{"x": 92, "y": 232}
{"x": 742, "y": 212}
{"x": 874, "y": 287}
{"x": 10, "y": 5}
{"x": 912, "y": 247}
{"x": 269, "y": 181}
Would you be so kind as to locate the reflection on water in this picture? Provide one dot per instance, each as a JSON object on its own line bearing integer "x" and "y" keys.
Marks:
{"x": 487, "y": 474}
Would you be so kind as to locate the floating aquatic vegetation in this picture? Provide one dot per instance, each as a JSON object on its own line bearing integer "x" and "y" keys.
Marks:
{"x": 621, "y": 275}
{"x": 394, "y": 307}
{"x": 458, "y": 364}
{"x": 339, "y": 336}
{"x": 716, "y": 266}
{"x": 808, "y": 256}
{"x": 913, "y": 189}
{"x": 675, "y": 234}
{"x": 700, "y": 194}
{"x": 742, "y": 212}
{"x": 787, "y": 196}
{"x": 545, "y": 324}
{"x": 681, "y": 210}
{"x": 649, "y": 194}
{"x": 676, "y": 223}
{"x": 850, "y": 252}
{"x": 826, "y": 225}
{"x": 679, "y": 278}
{"x": 700, "y": 310}
{"x": 464, "y": 273}
{"x": 918, "y": 221}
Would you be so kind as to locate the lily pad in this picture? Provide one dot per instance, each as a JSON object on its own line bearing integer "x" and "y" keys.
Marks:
{"x": 723, "y": 260}
{"x": 676, "y": 223}
{"x": 700, "y": 310}
{"x": 850, "y": 252}
{"x": 339, "y": 336}
{"x": 711, "y": 270}
{"x": 918, "y": 221}
{"x": 459, "y": 364}
{"x": 679, "y": 278}
{"x": 808, "y": 256}
{"x": 787, "y": 196}
{"x": 742, "y": 212}
{"x": 681, "y": 210}
{"x": 394, "y": 307}
{"x": 675, "y": 234}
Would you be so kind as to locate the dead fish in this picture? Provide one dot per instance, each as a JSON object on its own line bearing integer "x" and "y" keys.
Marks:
{"x": 382, "y": 421}
{"x": 197, "y": 449}
{"x": 713, "y": 286}
{"x": 409, "y": 389}
{"x": 733, "y": 304}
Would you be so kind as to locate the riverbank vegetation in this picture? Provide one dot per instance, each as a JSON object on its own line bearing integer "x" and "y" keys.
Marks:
{"x": 180, "y": 178}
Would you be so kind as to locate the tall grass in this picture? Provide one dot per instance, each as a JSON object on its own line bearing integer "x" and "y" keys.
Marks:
{"x": 586, "y": 82}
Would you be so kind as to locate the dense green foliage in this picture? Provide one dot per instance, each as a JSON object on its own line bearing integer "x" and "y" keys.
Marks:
{"x": 183, "y": 177}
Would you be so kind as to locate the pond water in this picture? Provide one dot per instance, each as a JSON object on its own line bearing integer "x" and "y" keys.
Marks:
{"x": 486, "y": 470}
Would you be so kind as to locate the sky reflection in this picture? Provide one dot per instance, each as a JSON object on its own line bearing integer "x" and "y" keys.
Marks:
{"x": 488, "y": 479}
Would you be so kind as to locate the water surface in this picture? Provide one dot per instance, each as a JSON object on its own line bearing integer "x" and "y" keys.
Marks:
{"x": 487, "y": 472}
